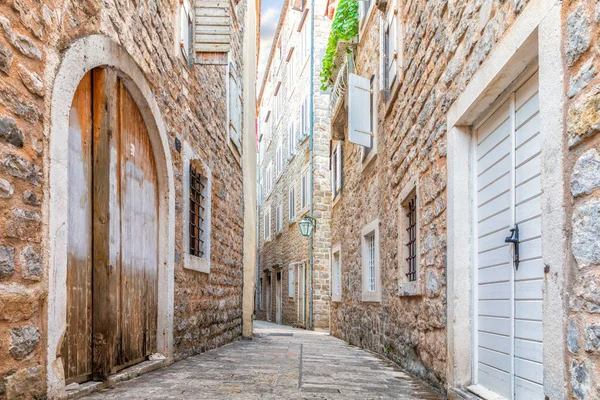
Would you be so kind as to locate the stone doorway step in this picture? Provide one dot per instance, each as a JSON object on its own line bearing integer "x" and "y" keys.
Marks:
{"x": 87, "y": 388}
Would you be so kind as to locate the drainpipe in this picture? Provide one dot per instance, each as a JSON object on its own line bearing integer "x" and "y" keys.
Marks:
{"x": 311, "y": 141}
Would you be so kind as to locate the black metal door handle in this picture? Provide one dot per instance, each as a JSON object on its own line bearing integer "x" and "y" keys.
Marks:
{"x": 514, "y": 239}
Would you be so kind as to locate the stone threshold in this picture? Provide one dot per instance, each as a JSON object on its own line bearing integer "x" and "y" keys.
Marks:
{"x": 462, "y": 394}
{"x": 87, "y": 388}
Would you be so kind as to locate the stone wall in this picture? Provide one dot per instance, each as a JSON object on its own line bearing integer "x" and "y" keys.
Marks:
{"x": 192, "y": 101}
{"x": 581, "y": 50}
{"x": 289, "y": 247}
{"x": 444, "y": 42}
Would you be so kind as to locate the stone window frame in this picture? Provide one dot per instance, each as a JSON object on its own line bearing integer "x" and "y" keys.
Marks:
{"x": 368, "y": 157}
{"x": 191, "y": 262}
{"x": 405, "y": 286}
{"x": 336, "y": 249}
{"x": 368, "y": 296}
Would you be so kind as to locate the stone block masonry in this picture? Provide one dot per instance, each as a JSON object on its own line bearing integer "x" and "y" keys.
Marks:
{"x": 581, "y": 49}
{"x": 192, "y": 99}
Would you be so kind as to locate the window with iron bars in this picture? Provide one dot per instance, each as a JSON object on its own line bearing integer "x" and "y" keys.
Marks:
{"x": 198, "y": 185}
{"x": 411, "y": 235}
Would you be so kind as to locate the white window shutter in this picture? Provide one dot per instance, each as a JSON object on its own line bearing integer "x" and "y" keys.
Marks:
{"x": 184, "y": 31}
{"x": 212, "y": 28}
{"x": 359, "y": 110}
{"x": 290, "y": 281}
{"x": 392, "y": 62}
{"x": 339, "y": 166}
{"x": 235, "y": 110}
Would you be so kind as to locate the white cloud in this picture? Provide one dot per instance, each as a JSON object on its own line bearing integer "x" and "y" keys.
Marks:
{"x": 268, "y": 26}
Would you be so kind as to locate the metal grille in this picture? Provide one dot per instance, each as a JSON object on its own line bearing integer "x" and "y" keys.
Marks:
{"x": 197, "y": 208}
{"x": 371, "y": 261}
{"x": 412, "y": 239}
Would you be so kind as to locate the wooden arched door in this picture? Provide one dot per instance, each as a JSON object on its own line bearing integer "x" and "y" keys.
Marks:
{"x": 112, "y": 232}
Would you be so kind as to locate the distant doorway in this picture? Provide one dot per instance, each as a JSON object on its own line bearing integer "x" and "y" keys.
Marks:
{"x": 301, "y": 295}
{"x": 278, "y": 301}
{"x": 268, "y": 297}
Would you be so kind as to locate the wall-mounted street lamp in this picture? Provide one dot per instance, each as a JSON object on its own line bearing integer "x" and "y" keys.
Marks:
{"x": 307, "y": 224}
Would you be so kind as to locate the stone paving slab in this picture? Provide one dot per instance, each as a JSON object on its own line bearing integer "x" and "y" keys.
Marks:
{"x": 280, "y": 363}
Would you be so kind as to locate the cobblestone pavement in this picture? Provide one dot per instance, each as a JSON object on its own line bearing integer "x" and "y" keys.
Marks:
{"x": 279, "y": 363}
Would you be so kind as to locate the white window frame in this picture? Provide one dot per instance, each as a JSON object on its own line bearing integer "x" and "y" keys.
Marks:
{"x": 336, "y": 273}
{"x": 267, "y": 224}
{"x": 291, "y": 283}
{"x": 278, "y": 219}
{"x": 389, "y": 38}
{"x": 406, "y": 287}
{"x": 336, "y": 170}
{"x": 304, "y": 190}
{"x": 184, "y": 32}
{"x": 369, "y": 295}
{"x": 191, "y": 262}
{"x": 292, "y": 204}
{"x": 364, "y": 15}
{"x": 368, "y": 156}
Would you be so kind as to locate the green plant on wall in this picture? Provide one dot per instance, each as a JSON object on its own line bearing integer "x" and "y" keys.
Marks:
{"x": 343, "y": 28}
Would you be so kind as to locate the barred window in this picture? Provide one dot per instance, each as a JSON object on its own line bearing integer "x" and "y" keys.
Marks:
{"x": 411, "y": 234}
{"x": 198, "y": 184}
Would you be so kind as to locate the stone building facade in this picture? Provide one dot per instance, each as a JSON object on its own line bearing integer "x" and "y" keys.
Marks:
{"x": 185, "y": 112}
{"x": 489, "y": 123}
{"x": 294, "y": 174}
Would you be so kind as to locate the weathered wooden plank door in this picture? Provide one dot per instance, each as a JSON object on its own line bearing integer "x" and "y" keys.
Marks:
{"x": 113, "y": 232}
{"x": 77, "y": 342}
{"x": 139, "y": 234}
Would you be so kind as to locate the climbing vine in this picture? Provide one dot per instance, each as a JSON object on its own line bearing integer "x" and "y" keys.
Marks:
{"x": 344, "y": 27}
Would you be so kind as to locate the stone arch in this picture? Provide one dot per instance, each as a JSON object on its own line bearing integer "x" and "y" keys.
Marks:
{"x": 83, "y": 55}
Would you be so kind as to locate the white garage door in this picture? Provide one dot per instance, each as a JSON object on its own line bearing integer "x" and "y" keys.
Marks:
{"x": 508, "y": 302}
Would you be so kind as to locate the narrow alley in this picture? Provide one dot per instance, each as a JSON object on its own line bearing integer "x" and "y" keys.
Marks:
{"x": 281, "y": 362}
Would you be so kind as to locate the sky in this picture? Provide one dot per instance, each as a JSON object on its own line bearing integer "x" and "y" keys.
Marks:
{"x": 270, "y": 11}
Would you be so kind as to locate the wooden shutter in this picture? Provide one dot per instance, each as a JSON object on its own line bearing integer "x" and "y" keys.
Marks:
{"x": 359, "y": 110}
{"x": 212, "y": 31}
{"x": 392, "y": 50}
{"x": 235, "y": 110}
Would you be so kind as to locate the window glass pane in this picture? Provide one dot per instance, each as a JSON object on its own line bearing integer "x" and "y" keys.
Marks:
{"x": 370, "y": 242}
